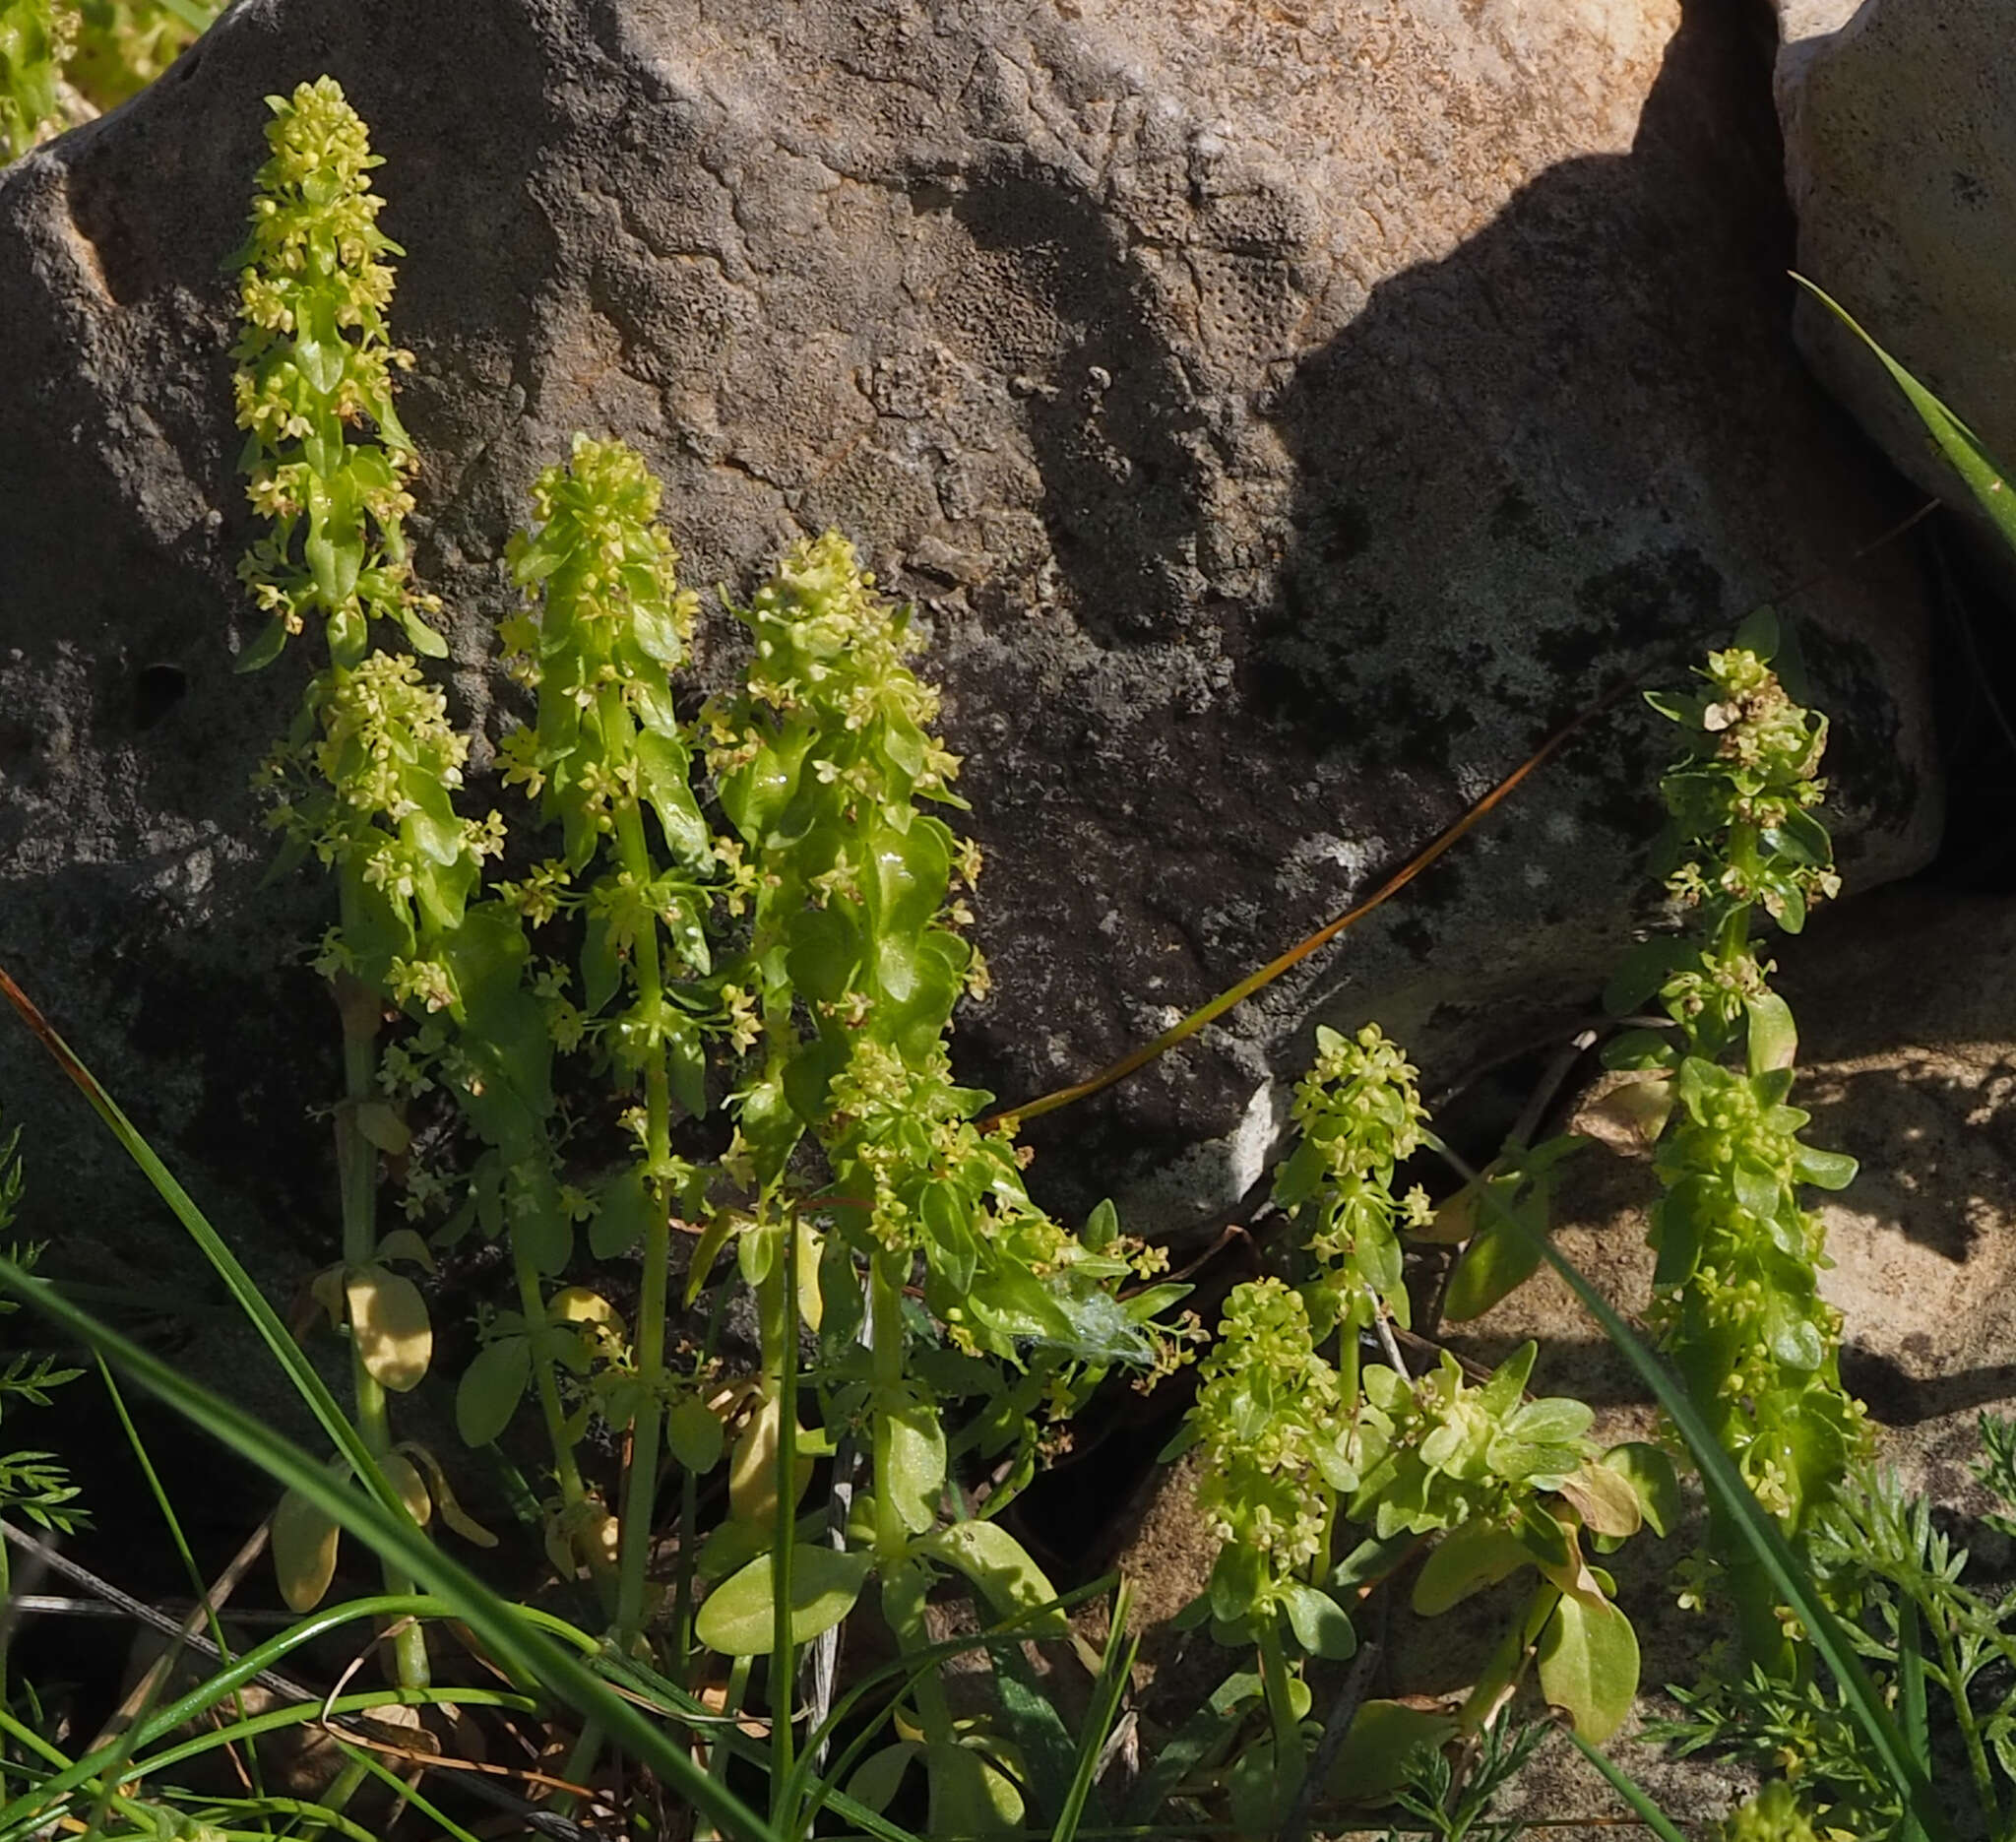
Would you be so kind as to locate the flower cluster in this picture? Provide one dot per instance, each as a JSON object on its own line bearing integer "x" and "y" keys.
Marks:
{"x": 821, "y": 761}
{"x": 1359, "y": 1115}
{"x": 1738, "y": 1298}
{"x": 608, "y": 627}
{"x": 1772, "y": 1815}
{"x": 1740, "y": 824}
{"x": 327, "y": 458}
{"x": 1274, "y": 1446}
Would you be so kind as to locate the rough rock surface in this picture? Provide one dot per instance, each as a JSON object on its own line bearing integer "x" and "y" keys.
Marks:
{"x": 1284, "y": 416}
{"x": 1900, "y": 141}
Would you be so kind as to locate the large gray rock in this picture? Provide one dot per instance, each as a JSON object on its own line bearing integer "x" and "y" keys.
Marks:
{"x": 1285, "y": 419}
{"x": 1900, "y": 141}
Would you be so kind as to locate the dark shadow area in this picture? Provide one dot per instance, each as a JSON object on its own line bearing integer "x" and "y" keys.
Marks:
{"x": 1974, "y": 657}
{"x": 1555, "y": 462}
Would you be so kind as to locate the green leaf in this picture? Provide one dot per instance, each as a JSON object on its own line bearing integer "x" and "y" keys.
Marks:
{"x": 1321, "y": 1625}
{"x": 490, "y": 1389}
{"x": 1773, "y": 1038}
{"x": 1588, "y": 1665}
{"x": 1824, "y": 1170}
{"x": 1553, "y": 1420}
{"x": 665, "y": 775}
{"x": 879, "y": 1776}
{"x": 1651, "y": 1474}
{"x": 303, "y": 1537}
{"x": 968, "y": 1797}
{"x": 1758, "y": 633}
{"x": 737, "y": 1618}
{"x": 1466, "y": 1562}
{"x": 1384, "y": 1737}
{"x": 1000, "y": 1566}
{"x": 390, "y": 1326}
{"x": 825, "y": 953}
{"x": 262, "y": 651}
{"x": 422, "y": 638}
{"x": 693, "y": 1435}
{"x": 1495, "y": 1265}
{"x": 916, "y": 1461}
{"x": 1955, "y": 440}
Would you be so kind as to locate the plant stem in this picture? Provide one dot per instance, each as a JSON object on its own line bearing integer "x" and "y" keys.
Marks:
{"x": 530, "y": 1302}
{"x": 903, "y": 1581}
{"x": 358, "y": 1180}
{"x": 639, "y": 1489}
{"x": 1970, "y": 1729}
{"x": 781, "y": 1333}
{"x": 885, "y": 1359}
{"x": 1289, "y": 1763}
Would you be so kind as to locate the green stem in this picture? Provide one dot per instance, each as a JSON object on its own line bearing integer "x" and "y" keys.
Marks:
{"x": 1289, "y": 1762}
{"x": 885, "y": 1363}
{"x": 904, "y": 1583}
{"x": 640, "y": 1491}
{"x": 357, "y": 1178}
{"x": 1970, "y": 1729}
{"x": 781, "y": 1357}
{"x": 532, "y": 1302}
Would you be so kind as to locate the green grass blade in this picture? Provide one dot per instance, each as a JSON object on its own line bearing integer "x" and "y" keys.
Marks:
{"x": 1910, "y": 1692}
{"x": 250, "y": 1299}
{"x": 1115, "y": 1667}
{"x": 1729, "y": 1494}
{"x": 1642, "y": 1806}
{"x": 513, "y": 1639}
{"x": 165, "y": 1504}
{"x": 1956, "y": 441}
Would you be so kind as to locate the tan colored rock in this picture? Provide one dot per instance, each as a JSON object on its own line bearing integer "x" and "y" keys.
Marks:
{"x": 1900, "y": 139}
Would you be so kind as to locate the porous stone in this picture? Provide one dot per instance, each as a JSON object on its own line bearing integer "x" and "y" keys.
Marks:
{"x": 1900, "y": 141}
{"x": 1284, "y": 417}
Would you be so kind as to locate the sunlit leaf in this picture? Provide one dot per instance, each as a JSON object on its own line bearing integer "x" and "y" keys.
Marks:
{"x": 389, "y": 1320}
{"x": 304, "y": 1539}
{"x": 738, "y": 1618}
{"x": 1588, "y": 1665}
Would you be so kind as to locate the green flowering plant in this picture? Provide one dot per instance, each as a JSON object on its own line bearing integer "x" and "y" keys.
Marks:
{"x": 1292, "y": 1447}
{"x": 1737, "y": 1303}
{"x": 1358, "y": 1115}
{"x": 35, "y": 37}
{"x": 365, "y": 777}
{"x": 1938, "y": 1638}
{"x": 327, "y": 458}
